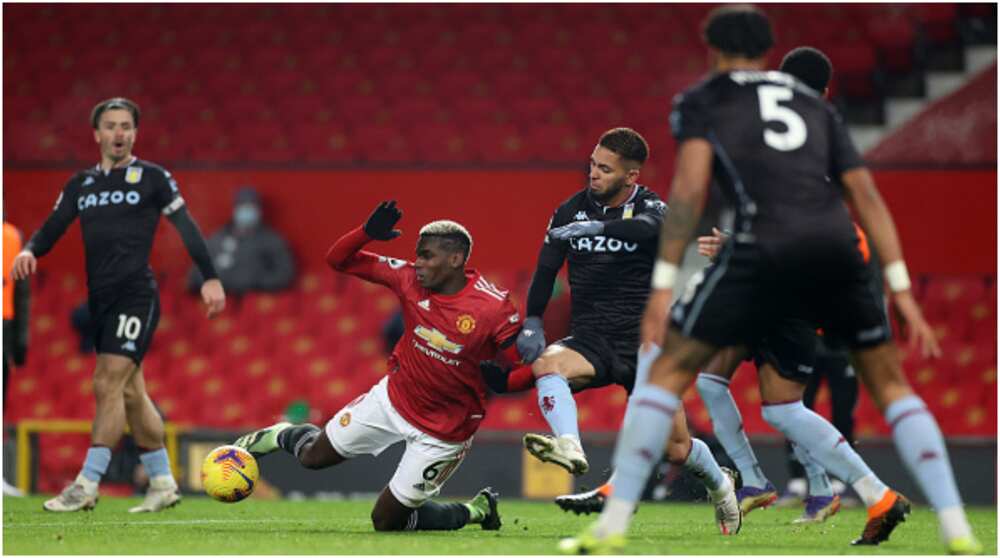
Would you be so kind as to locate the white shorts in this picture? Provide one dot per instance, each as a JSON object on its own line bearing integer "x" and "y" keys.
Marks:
{"x": 369, "y": 424}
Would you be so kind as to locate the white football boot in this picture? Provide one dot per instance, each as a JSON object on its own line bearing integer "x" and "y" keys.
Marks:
{"x": 161, "y": 494}
{"x": 564, "y": 451}
{"x": 728, "y": 514}
{"x": 81, "y": 495}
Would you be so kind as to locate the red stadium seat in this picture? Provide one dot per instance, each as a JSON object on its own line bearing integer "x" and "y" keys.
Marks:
{"x": 442, "y": 143}
{"x": 384, "y": 144}
{"x": 325, "y": 143}
{"x": 894, "y": 38}
{"x": 499, "y": 144}
{"x": 555, "y": 143}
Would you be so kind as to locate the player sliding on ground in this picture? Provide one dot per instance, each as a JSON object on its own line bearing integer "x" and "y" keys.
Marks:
{"x": 433, "y": 397}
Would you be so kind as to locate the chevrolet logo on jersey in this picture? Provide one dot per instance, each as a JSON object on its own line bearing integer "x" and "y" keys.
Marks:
{"x": 133, "y": 175}
{"x": 437, "y": 340}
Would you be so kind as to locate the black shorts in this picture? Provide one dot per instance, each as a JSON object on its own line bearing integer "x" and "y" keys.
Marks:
{"x": 614, "y": 362}
{"x": 125, "y": 319}
{"x": 791, "y": 348}
{"x": 746, "y": 294}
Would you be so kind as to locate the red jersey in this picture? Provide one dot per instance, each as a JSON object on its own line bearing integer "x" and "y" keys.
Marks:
{"x": 434, "y": 377}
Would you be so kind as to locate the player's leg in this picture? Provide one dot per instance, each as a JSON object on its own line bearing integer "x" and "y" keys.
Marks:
{"x": 918, "y": 440}
{"x": 110, "y": 376}
{"x": 695, "y": 456}
{"x": 426, "y": 465}
{"x": 364, "y": 426}
{"x": 783, "y": 409}
{"x": 147, "y": 430}
{"x": 8, "y": 489}
{"x": 641, "y": 443}
{"x": 727, "y": 423}
{"x": 557, "y": 371}
{"x": 843, "y": 384}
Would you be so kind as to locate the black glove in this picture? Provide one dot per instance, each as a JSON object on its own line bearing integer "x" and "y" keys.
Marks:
{"x": 379, "y": 224}
{"x": 494, "y": 375}
{"x": 531, "y": 340}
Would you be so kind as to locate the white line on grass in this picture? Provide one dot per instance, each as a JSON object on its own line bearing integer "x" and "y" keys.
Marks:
{"x": 8, "y": 525}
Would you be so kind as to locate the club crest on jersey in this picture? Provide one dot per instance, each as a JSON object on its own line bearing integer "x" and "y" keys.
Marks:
{"x": 437, "y": 340}
{"x": 133, "y": 175}
{"x": 628, "y": 211}
{"x": 465, "y": 324}
{"x": 345, "y": 419}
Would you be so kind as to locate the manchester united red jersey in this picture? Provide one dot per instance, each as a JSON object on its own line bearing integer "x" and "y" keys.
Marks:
{"x": 434, "y": 378}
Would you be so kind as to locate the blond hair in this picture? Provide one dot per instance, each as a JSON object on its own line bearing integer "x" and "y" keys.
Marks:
{"x": 450, "y": 232}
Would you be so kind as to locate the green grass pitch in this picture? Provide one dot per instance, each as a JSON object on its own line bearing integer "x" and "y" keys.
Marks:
{"x": 202, "y": 526}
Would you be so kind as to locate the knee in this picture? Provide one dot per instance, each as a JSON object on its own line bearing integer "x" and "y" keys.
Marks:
{"x": 543, "y": 366}
{"x": 133, "y": 397}
{"x": 677, "y": 453}
{"x": 109, "y": 382}
{"x": 384, "y": 522}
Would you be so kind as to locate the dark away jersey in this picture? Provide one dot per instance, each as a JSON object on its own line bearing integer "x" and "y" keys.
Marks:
{"x": 119, "y": 211}
{"x": 775, "y": 142}
{"x": 609, "y": 276}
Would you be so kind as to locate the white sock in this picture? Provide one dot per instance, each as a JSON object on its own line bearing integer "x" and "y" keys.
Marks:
{"x": 870, "y": 488}
{"x": 163, "y": 482}
{"x": 953, "y": 524}
{"x": 615, "y": 518}
{"x": 89, "y": 486}
{"x": 723, "y": 490}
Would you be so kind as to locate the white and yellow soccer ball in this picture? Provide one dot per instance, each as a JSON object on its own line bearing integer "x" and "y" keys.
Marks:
{"x": 229, "y": 473}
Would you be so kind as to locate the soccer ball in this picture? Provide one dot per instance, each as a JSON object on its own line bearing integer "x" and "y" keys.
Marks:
{"x": 229, "y": 473}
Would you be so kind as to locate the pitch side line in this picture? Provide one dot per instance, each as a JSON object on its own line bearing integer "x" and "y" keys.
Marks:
{"x": 7, "y": 525}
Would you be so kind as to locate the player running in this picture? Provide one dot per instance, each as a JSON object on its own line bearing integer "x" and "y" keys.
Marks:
{"x": 791, "y": 351}
{"x": 772, "y": 142}
{"x": 608, "y": 234}
{"x": 119, "y": 202}
{"x": 433, "y": 397}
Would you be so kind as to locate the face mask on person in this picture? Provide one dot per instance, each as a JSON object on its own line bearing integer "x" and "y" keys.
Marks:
{"x": 246, "y": 216}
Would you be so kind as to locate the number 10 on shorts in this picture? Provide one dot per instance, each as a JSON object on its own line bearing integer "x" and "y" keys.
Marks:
{"x": 128, "y": 327}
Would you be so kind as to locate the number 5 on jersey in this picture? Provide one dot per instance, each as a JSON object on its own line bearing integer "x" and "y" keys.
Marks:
{"x": 128, "y": 327}
{"x": 771, "y": 111}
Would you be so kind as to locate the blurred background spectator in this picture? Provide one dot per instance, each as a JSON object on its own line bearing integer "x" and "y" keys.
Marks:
{"x": 249, "y": 255}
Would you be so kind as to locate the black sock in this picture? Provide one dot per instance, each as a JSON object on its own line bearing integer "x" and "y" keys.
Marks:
{"x": 433, "y": 516}
{"x": 291, "y": 439}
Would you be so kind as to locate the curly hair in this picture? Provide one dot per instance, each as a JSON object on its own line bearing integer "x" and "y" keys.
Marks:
{"x": 627, "y": 143}
{"x": 738, "y": 30}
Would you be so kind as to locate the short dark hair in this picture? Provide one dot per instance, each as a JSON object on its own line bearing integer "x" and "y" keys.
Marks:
{"x": 738, "y": 30}
{"x": 114, "y": 103}
{"x": 809, "y": 65}
{"x": 627, "y": 143}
